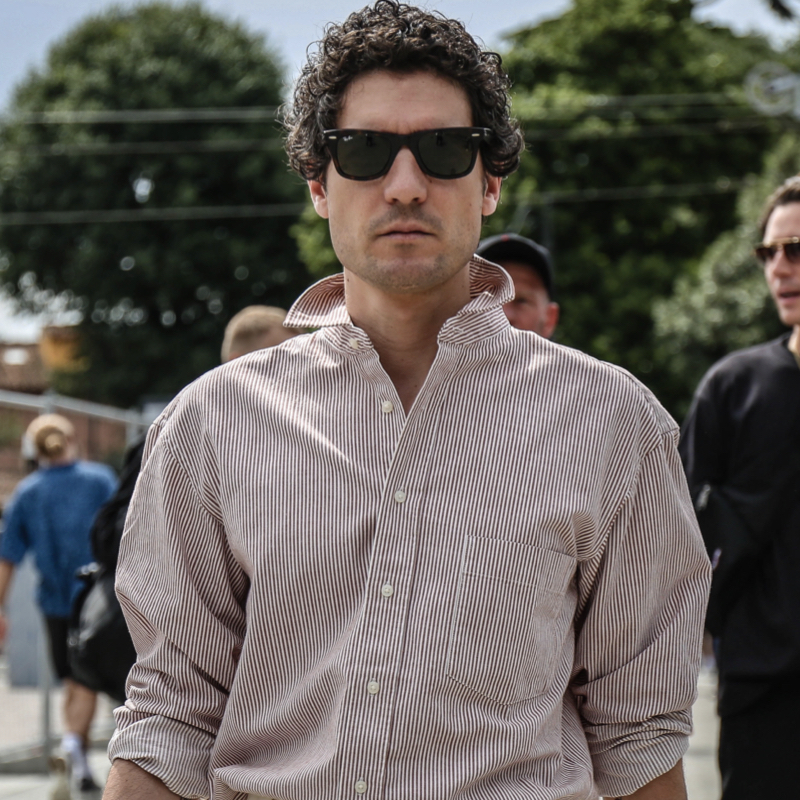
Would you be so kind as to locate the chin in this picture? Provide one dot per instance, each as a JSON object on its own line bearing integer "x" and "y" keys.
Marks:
{"x": 791, "y": 320}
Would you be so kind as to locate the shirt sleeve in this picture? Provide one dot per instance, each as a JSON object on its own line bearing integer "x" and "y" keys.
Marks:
{"x": 638, "y": 645}
{"x": 14, "y": 541}
{"x": 187, "y": 622}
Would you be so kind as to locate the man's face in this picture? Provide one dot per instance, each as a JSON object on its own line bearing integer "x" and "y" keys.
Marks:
{"x": 783, "y": 278}
{"x": 531, "y": 309}
{"x": 406, "y": 232}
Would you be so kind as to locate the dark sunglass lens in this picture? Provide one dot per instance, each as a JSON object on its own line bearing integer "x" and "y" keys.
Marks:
{"x": 363, "y": 154}
{"x": 447, "y": 154}
{"x": 792, "y": 252}
{"x": 764, "y": 253}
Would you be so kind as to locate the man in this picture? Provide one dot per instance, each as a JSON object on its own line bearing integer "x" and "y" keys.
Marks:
{"x": 254, "y": 328}
{"x": 741, "y": 450}
{"x": 417, "y": 553}
{"x": 50, "y": 515}
{"x": 530, "y": 267}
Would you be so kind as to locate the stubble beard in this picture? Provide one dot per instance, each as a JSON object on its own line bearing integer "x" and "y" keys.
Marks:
{"x": 403, "y": 272}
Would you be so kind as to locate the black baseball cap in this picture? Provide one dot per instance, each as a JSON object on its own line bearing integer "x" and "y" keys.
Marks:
{"x": 512, "y": 247}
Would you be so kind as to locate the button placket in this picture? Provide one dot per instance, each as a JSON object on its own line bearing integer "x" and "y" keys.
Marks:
{"x": 372, "y": 689}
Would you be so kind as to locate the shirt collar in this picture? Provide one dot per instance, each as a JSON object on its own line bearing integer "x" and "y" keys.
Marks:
{"x": 323, "y": 305}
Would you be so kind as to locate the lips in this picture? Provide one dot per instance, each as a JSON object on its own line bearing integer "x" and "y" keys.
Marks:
{"x": 403, "y": 230}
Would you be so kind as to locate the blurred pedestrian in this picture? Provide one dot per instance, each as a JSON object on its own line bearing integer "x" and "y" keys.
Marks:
{"x": 531, "y": 268}
{"x": 50, "y": 514}
{"x": 741, "y": 449}
{"x": 255, "y": 328}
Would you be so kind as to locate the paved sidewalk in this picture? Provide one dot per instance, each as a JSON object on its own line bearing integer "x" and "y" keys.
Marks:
{"x": 701, "y": 771}
{"x": 42, "y": 787}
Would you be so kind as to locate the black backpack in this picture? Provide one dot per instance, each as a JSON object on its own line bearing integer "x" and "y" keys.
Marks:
{"x": 100, "y": 649}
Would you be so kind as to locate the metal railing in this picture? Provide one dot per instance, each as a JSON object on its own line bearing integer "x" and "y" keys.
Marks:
{"x": 50, "y": 402}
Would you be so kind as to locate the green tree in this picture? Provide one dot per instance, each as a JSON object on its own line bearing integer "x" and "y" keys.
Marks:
{"x": 726, "y": 305}
{"x": 638, "y": 130}
{"x": 81, "y": 137}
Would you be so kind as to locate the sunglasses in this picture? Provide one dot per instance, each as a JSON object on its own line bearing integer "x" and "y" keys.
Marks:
{"x": 445, "y": 153}
{"x": 790, "y": 246}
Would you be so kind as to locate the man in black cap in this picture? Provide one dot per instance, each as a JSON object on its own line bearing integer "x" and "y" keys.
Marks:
{"x": 530, "y": 267}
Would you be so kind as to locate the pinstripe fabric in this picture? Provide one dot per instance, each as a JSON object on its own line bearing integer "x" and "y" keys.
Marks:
{"x": 499, "y": 595}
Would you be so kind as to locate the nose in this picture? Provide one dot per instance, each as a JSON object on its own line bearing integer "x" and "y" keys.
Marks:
{"x": 405, "y": 183}
{"x": 780, "y": 264}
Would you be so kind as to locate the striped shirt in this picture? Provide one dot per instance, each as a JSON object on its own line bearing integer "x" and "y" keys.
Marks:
{"x": 497, "y": 595}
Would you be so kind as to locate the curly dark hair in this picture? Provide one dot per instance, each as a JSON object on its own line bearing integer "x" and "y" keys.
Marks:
{"x": 400, "y": 38}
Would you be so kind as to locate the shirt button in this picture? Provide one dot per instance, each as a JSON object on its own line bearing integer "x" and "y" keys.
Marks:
{"x": 361, "y": 787}
{"x": 354, "y": 344}
{"x": 373, "y": 687}
{"x": 400, "y": 496}
{"x": 387, "y": 590}
{"x": 387, "y": 406}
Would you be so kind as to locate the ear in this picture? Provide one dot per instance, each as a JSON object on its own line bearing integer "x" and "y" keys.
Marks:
{"x": 491, "y": 194}
{"x": 551, "y": 319}
{"x": 319, "y": 198}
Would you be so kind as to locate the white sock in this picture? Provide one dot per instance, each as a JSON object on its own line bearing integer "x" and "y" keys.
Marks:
{"x": 72, "y": 745}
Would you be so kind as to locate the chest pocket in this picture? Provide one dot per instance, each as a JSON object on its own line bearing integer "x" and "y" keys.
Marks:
{"x": 510, "y": 619}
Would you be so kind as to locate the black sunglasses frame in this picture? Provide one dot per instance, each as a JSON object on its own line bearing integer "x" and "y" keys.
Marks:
{"x": 766, "y": 251}
{"x": 397, "y": 141}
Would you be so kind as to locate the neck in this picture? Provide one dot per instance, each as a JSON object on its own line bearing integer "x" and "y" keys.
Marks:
{"x": 60, "y": 461}
{"x": 794, "y": 340}
{"x": 404, "y": 327}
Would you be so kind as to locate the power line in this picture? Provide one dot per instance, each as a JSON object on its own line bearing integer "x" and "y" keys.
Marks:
{"x": 261, "y": 145}
{"x": 149, "y": 148}
{"x": 637, "y": 114}
{"x": 595, "y": 103}
{"x": 246, "y": 114}
{"x": 651, "y": 131}
{"x": 260, "y": 113}
{"x": 150, "y": 214}
{"x": 701, "y": 98}
{"x": 722, "y": 186}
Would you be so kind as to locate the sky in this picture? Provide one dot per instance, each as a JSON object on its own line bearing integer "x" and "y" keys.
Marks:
{"x": 29, "y": 27}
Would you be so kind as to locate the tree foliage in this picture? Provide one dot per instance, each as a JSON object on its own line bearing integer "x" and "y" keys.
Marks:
{"x": 638, "y": 104}
{"x": 154, "y": 294}
{"x": 726, "y": 305}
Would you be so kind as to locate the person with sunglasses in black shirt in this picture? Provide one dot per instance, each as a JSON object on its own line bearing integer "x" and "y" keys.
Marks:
{"x": 740, "y": 446}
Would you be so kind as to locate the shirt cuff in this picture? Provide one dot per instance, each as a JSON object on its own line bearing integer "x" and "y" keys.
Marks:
{"x": 175, "y": 753}
{"x": 632, "y": 764}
